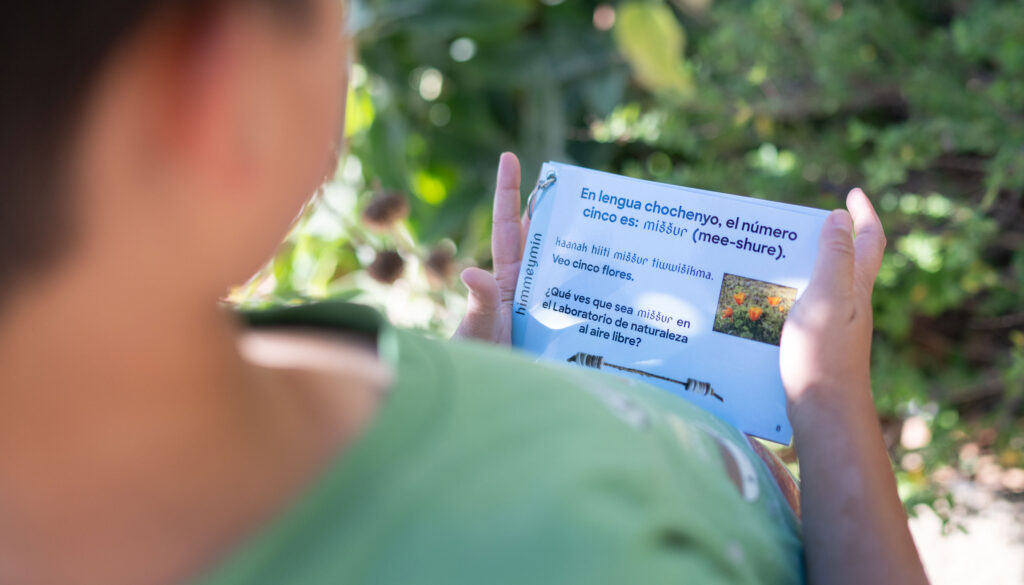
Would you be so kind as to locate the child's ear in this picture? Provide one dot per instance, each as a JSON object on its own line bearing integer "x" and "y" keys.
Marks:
{"x": 210, "y": 125}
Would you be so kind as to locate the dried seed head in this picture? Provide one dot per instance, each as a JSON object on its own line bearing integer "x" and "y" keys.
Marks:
{"x": 441, "y": 261}
{"x": 385, "y": 210}
{"x": 386, "y": 267}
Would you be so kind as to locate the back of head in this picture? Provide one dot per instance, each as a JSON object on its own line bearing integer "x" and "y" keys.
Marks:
{"x": 51, "y": 57}
{"x": 49, "y": 54}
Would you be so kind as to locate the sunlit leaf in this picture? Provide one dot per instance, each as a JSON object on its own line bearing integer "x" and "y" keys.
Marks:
{"x": 359, "y": 111}
{"x": 429, "y": 188}
{"x": 652, "y": 40}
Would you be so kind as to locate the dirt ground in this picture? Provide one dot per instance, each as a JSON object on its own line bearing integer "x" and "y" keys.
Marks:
{"x": 992, "y": 549}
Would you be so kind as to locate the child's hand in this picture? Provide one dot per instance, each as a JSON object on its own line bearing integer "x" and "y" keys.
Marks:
{"x": 826, "y": 342}
{"x": 489, "y": 313}
{"x": 855, "y": 528}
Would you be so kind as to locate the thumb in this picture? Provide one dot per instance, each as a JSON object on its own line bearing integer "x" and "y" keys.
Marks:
{"x": 833, "y": 271}
{"x": 481, "y": 321}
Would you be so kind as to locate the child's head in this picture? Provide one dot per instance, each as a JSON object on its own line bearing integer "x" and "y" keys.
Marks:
{"x": 162, "y": 136}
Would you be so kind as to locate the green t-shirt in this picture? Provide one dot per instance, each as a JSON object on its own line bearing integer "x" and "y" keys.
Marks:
{"x": 484, "y": 467}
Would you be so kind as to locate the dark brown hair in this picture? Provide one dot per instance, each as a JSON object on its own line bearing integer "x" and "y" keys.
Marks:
{"x": 50, "y": 54}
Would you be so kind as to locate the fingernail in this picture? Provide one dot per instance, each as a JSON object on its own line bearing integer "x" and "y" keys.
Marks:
{"x": 841, "y": 220}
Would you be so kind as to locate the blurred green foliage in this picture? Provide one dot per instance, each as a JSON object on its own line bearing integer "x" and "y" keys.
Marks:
{"x": 921, "y": 102}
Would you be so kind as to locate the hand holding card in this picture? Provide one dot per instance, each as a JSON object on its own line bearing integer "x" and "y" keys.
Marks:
{"x": 489, "y": 309}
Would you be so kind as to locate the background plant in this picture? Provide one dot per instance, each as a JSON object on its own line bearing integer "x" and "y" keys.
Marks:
{"x": 921, "y": 102}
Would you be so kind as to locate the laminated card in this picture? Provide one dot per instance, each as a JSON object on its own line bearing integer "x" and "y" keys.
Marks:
{"x": 682, "y": 288}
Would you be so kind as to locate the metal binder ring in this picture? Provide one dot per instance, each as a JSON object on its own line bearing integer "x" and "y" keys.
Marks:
{"x": 538, "y": 191}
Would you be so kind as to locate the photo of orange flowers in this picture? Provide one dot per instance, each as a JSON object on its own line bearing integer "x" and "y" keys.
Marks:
{"x": 753, "y": 309}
